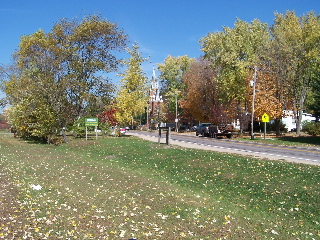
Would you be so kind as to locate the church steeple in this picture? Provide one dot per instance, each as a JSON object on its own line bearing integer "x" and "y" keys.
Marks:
{"x": 155, "y": 90}
{"x": 155, "y": 101}
{"x": 154, "y": 79}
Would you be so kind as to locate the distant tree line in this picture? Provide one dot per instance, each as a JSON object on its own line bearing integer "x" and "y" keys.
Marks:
{"x": 58, "y": 78}
{"x": 282, "y": 61}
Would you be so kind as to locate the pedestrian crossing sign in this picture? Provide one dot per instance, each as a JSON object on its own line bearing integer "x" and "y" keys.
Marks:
{"x": 265, "y": 118}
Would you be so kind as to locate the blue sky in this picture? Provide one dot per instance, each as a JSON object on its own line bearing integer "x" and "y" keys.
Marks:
{"x": 161, "y": 28}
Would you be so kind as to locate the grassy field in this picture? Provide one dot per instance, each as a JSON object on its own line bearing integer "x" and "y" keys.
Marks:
{"x": 122, "y": 188}
{"x": 308, "y": 141}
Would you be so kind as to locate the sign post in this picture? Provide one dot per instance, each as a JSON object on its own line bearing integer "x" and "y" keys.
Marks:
{"x": 91, "y": 122}
{"x": 265, "y": 119}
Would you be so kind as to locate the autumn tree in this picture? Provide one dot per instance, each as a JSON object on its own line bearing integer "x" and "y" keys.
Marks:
{"x": 296, "y": 52}
{"x": 132, "y": 98}
{"x": 233, "y": 53}
{"x": 60, "y": 74}
{"x": 234, "y": 50}
{"x": 266, "y": 99}
{"x": 107, "y": 118}
{"x": 172, "y": 85}
{"x": 200, "y": 93}
{"x": 3, "y": 122}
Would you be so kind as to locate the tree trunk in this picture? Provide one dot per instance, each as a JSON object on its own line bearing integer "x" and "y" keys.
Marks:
{"x": 299, "y": 120}
{"x": 300, "y": 111}
{"x": 132, "y": 122}
{"x": 66, "y": 140}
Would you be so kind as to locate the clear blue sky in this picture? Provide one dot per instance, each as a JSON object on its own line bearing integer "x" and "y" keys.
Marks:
{"x": 161, "y": 27}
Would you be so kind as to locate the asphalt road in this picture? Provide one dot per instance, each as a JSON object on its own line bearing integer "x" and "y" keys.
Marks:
{"x": 307, "y": 155}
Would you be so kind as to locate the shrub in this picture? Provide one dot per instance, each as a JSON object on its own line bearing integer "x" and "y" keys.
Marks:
{"x": 79, "y": 128}
{"x": 312, "y": 128}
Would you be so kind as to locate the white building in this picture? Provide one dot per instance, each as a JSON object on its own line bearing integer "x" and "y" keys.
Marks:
{"x": 290, "y": 121}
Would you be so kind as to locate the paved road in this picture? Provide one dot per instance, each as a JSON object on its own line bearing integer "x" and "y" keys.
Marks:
{"x": 308, "y": 155}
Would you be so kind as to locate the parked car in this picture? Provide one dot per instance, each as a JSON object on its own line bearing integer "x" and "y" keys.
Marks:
{"x": 215, "y": 131}
{"x": 123, "y": 130}
{"x": 118, "y": 131}
{"x": 193, "y": 128}
{"x": 203, "y": 129}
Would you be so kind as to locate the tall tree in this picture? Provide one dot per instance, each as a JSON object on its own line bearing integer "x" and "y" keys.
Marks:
{"x": 266, "y": 99}
{"x": 200, "y": 95}
{"x": 63, "y": 71}
{"x": 3, "y": 77}
{"x": 313, "y": 100}
{"x": 296, "y": 41}
{"x": 171, "y": 72}
{"x": 132, "y": 98}
{"x": 172, "y": 85}
{"x": 233, "y": 52}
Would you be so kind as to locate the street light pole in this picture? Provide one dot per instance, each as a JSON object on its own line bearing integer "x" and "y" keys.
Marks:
{"x": 176, "y": 119}
{"x": 253, "y": 100}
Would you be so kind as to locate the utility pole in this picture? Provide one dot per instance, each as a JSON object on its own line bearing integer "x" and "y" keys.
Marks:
{"x": 253, "y": 99}
{"x": 176, "y": 98}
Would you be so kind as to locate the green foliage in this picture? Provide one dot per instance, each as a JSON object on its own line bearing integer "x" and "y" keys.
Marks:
{"x": 296, "y": 59}
{"x": 79, "y": 128}
{"x": 232, "y": 51}
{"x": 272, "y": 127}
{"x": 171, "y": 73}
{"x": 172, "y": 85}
{"x": 312, "y": 128}
{"x": 313, "y": 99}
{"x": 32, "y": 118}
{"x": 63, "y": 70}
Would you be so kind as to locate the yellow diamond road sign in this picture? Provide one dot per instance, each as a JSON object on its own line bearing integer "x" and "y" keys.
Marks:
{"x": 265, "y": 118}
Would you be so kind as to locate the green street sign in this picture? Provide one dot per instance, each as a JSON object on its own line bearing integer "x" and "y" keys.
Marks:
{"x": 91, "y": 122}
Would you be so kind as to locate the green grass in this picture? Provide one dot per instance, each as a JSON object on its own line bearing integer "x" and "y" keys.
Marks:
{"x": 121, "y": 188}
{"x": 307, "y": 141}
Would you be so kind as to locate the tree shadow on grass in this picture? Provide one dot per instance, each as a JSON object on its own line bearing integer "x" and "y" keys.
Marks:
{"x": 312, "y": 140}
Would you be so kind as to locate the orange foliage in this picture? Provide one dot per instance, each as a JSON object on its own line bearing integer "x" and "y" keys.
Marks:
{"x": 266, "y": 100}
{"x": 201, "y": 98}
